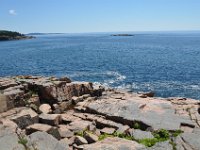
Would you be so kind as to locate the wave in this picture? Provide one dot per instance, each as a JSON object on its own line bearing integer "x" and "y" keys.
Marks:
{"x": 117, "y": 77}
{"x": 113, "y": 79}
{"x": 107, "y": 78}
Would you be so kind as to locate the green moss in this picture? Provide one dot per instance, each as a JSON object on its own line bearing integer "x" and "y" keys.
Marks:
{"x": 23, "y": 141}
{"x": 162, "y": 135}
{"x": 80, "y": 133}
{"x": 177, "y": 133}
{"x": 148, "y": 142}
{"x": 104, "y": 136}
{"x": 173, "y": 145}
{"x": 123, "y": 136}
{"x": 136, "y": 125}
{"x": 159, "y": 136}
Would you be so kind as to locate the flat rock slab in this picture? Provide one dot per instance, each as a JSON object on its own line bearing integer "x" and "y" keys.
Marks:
{"x": 77, "y": 126}
{"x": 138, "y": 134}
{"x": 43, "y": 128}
{"x": 154, "y": 113}
{"x": 114, "y": 144}
{"x": 38, "y": 127}
{"x": 108, "y": 130}
{"x": 50, "y": 119}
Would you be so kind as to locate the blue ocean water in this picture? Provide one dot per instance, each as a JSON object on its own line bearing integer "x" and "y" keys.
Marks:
{"x": 168, "y": 63}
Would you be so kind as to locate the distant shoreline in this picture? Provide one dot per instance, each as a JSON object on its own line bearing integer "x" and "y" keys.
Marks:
{"x": 10, "y": 35}
{"x": 122, "y": 35}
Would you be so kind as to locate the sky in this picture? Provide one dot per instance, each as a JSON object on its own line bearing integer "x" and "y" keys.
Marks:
{"x": 82, "y": 16}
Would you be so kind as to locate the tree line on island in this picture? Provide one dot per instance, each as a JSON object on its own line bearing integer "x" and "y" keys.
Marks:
{"x": 12, "y": 35}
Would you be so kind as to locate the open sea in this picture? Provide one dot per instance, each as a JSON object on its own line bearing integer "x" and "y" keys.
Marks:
{"x": 166, "y": 63}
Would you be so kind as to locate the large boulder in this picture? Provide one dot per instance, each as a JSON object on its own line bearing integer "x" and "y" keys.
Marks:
{"x": 62, "y": 91}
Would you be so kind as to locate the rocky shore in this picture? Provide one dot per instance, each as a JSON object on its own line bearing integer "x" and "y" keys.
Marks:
{"x": 48, "y": 113}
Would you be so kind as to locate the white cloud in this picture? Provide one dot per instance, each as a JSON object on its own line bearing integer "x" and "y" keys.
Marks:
{"x": 12, "y": 12}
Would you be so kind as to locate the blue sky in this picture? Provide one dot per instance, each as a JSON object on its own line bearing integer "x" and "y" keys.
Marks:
{"x": 76, "y": 16}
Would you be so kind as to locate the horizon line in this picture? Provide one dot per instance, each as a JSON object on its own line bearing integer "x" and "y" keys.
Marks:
{"x": 93, "y": 32}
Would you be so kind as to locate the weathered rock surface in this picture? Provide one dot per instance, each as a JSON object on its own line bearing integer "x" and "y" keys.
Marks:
{"x": 115, "y": 144}
{"x": 153, "y": 113}
{"x": 39, "y": 111}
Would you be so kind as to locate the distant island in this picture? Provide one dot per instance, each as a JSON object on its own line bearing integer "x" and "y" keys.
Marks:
{"x": 10, "y": 35}
{"x": 122, "y": 35}
{"x": 42, "y": 33}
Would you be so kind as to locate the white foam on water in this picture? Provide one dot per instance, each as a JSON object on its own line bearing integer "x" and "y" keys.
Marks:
{"x": 116, "y": 77}
{"x": 113, "y": 76}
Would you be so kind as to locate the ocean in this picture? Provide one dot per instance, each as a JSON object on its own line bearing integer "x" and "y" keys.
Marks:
{"x": 165, "y": 63}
